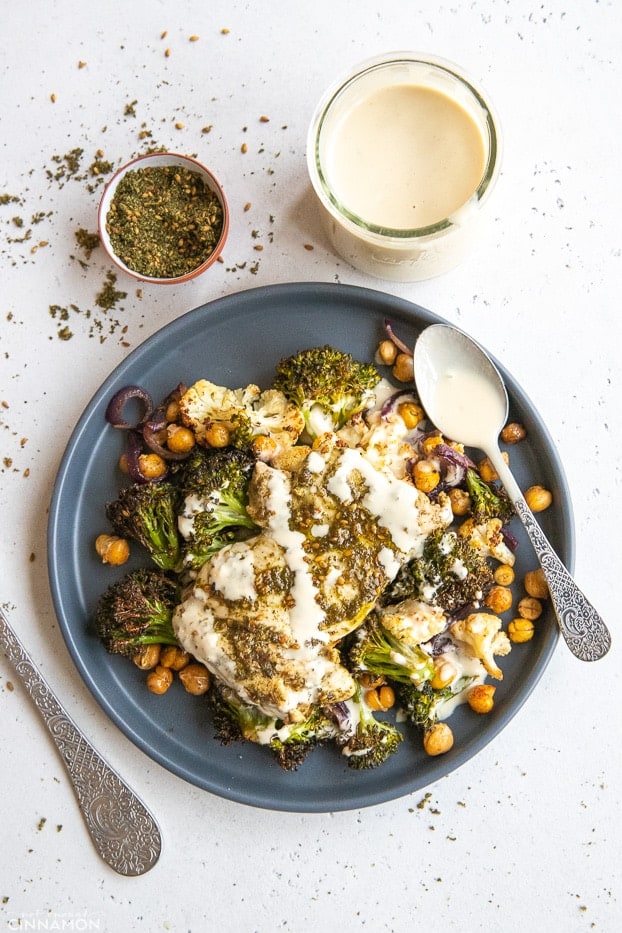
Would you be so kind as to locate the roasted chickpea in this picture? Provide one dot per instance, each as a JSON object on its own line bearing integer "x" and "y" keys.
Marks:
{"x": 112, "y": 549}
{"x": 504, "y": 575}
{"x": 536, "y": 585}
{"x": 438, "y": 739}
{"x": 264, "y": 447}
{"x": 410, "y": 413}
{"x": 481, "y": 698}
{"x": 487, "y": 470}
{"x": 429, "y": 443}
{"x": 174, "y": 657}
{"x": 520, "y": 630}
{"x": 179, "y": 439}
{"x": 403, "y": 367}
{"x": 217, "y": 435}
{"x": 425, "y": 476}
{"x": 152, "y": 466}
{"x": 380, "y": 698}
{"x": 147, "y": 658}
{"x": 386, "y": 353}
{"x": 499, "y": 599}
{"x": 368, "y": 680}
{"x": 195, "y": 678}
{"x": 513, "y": 432}
{"x": 172, "y": 411}
{"x": 529, "y": 608}
{"x": 460, "y": 501}
{"x": 159, "y": 679}
{"x": 538, "y": 498}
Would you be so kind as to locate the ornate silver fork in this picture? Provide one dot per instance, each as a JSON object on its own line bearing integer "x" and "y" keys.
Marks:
{"x": 124, "y": 832}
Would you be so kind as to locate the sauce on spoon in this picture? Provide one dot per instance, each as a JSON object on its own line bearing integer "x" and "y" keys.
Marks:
{"x": 464, "y": 396}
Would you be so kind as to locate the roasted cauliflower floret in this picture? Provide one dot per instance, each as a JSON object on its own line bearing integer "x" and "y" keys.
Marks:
{"x": 239, "y": 621}
{"x": 488, "y": 539}
{"x": 242, "y": 415}
{"x": 481, "y": 635}
{"x": 413, "y": 621}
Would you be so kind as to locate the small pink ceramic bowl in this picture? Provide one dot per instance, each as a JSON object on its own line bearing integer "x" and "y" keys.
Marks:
{"x": 161, "y": 160}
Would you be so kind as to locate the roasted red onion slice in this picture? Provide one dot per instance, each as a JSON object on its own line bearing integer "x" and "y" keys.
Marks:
{"x": 114, "y": 411}
{"x": 388, "y": 326}
{"x": 395, "y": 399}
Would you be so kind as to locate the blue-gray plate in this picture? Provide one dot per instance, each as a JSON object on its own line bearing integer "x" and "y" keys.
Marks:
{"x": 233, "y": 341}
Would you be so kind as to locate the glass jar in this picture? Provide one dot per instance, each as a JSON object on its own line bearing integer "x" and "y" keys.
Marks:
{"x": 403, "y": 155}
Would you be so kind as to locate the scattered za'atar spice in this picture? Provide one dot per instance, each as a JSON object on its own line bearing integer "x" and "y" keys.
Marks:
{"x": 164, "y": 221}
{"x": 109, "y": 295}
{"x": 87, "y": 241}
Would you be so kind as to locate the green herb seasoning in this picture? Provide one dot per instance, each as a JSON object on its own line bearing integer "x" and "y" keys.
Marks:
{"x": 164, "y": 221}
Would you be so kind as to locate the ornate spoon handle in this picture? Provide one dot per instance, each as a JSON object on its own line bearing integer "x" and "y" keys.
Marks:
{"x": 122, "y": 829}
{"x": 584, "y": 631}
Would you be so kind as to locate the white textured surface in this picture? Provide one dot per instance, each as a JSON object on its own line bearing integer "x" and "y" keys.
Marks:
{"x": 526, "y": 835}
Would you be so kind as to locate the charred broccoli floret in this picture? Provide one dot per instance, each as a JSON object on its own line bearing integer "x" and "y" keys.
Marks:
{"x": 213, "y": 485}
{"x": 376, "y": 649}
{"x": 328, "y": 386}
{"x": 235, "y": 720}
{"x": 487, "y": 500}
{"x": 450, "y": 574}
{"x": 366, "y": 741}
{"x": 421, "y": 704}
{"x": 137, "y": 611}
{"x": 147, "y": 512}
{"x": 290, "y": 744}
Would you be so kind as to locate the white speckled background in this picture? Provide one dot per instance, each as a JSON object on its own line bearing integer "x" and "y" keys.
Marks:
{"x": 524, "y": 836}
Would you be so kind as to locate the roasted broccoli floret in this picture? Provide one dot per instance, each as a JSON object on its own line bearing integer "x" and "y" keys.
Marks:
{"x": 147, "y": 512}
{"x": 328, "y": 386}
{"x": 235, "y": 720}
{"x": 450, "y": 574}
{"x": 376, "y": 649}
{"x": 213, "y": 484}
{"x": 366, "y": 741}
{"x": 421, "y": 704}
{"x": 290, "y": 744}
{"x": 487, "y": 501}
{"x": 137, "y": 611}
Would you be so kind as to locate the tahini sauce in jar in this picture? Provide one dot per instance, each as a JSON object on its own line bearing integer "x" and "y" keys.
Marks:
{"x": 407, "y": 156}
{"x": 403, "y": 155}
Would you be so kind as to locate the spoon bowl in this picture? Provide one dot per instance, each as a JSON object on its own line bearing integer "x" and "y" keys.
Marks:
{"x": 465, "y": 397}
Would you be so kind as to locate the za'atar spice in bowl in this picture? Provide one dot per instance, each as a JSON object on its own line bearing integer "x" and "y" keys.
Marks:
{"x": 163, "y": 218}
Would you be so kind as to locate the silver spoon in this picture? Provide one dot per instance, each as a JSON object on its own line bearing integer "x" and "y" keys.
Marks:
{"x": 464, "y": 396}
{"x": 124, "y": 832}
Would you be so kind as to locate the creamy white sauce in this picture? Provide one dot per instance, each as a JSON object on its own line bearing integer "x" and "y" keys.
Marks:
{"x": 406, "y": 156}
{"x": 232, "y": 572}
{"x": 315, "y": 462}
{"x": 466, "y": 667}
{"x": 392, "y": 501}
{"x": 472, "y": 408}
{"x": 306, "y": 614}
